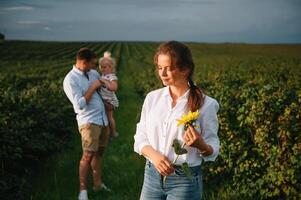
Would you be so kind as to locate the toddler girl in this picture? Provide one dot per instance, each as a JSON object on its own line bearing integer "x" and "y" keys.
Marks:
{"x": 107, "y": 91}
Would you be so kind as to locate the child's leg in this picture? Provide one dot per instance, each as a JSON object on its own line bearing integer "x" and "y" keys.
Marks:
{"x": 112, "y": 123}
{"x": 109, "y": 111}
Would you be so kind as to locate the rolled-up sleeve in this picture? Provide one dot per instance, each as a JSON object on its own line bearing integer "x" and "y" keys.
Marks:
{"x": 209, "y": 124}
{"x": 82, "y": 103}
{"x": 140, "y": 137}
{"x": 74, "y": 94}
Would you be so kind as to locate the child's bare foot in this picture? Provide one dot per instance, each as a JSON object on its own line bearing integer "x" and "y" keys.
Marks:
{"x": 115, "y": 135}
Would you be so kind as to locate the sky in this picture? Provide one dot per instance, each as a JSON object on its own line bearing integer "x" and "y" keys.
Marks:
{"x": 212, "y": 21}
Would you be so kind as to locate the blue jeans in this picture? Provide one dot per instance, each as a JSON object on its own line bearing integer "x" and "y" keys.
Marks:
{"x": 176, "y": 187}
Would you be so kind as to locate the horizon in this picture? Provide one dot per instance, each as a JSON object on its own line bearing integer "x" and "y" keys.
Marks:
{"x": 144, "y": 41}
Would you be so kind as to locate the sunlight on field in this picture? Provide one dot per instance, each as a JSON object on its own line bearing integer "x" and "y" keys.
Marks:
{"x": 258, "y": 88}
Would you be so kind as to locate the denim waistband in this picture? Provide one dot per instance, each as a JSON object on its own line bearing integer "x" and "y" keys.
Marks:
{"x": 175, "y": 166}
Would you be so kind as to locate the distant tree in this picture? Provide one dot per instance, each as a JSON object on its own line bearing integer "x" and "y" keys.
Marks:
{"x": 2, "y": 36}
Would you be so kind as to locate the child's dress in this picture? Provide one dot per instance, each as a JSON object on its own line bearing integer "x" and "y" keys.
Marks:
{"x": 107, "y": 95}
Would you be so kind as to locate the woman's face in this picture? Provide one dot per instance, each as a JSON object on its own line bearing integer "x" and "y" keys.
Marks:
{"x": 170, "y": 75}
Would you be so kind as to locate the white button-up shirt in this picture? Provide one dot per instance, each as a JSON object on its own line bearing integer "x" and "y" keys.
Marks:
{"x": 158, "y": 126}
{"x": 76, "y": 84}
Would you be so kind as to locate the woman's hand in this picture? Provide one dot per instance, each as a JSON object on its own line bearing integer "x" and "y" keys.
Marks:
{"x": 162, "y": 164}
{"x": 194, "y": 139}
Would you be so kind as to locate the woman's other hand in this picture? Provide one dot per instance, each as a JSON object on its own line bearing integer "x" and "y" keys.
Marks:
{"x": 162, "y": 164}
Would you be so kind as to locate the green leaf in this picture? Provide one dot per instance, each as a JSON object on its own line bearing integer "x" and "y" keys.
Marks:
{"x": 187, "y": 170}
{"x": 177, "y": 147}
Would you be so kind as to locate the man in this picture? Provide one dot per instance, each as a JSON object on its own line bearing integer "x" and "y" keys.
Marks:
{"x": 80, "y": 86}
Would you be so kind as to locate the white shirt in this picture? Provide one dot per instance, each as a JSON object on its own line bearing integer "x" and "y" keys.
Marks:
{"x": 158, "y": 126}
{"x": 76, "y": 85}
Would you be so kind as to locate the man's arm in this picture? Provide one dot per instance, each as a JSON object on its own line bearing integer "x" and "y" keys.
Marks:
{"x": 74, "y": 93}
{"x": 96, "y": 84}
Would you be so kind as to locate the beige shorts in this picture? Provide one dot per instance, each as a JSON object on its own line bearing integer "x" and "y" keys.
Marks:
{"x": 94, "y": 136}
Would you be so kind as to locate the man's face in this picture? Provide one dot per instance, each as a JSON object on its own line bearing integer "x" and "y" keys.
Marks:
{"x": 90, "y": 64}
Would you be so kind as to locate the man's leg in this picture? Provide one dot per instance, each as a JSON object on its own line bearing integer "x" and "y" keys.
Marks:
{"x": 89, "y": 135}
{"x": 96, "y": 167}
{"x": 96, "y": 162}
{"x": 84, "y": 168}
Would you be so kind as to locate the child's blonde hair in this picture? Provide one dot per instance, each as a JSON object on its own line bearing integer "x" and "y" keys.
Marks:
{"x": 107, "y": 60}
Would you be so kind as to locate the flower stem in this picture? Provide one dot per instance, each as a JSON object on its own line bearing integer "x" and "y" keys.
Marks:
{"x": 175, "y": 160}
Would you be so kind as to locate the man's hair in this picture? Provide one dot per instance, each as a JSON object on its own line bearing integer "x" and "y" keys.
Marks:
{"x": 85, "y": 54}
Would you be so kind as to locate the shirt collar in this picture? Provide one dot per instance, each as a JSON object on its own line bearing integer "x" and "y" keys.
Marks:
{"x": 167, "y": 93}
{"x": 77, "y": 70}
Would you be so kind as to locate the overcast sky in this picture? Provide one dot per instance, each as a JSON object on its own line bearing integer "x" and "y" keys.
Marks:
{"x": 250, "y": 21}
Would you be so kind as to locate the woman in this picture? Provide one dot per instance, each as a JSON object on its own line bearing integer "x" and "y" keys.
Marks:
{"x": 158, "y": 128}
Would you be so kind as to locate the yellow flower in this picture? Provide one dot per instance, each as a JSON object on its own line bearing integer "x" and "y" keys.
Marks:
{"x": 188, "y": 118}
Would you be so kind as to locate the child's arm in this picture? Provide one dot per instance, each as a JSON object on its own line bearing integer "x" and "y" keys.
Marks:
{"x": 111, "y": 85}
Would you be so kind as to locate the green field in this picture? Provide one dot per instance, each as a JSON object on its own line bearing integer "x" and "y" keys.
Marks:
{"x": 258, "y": 88}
